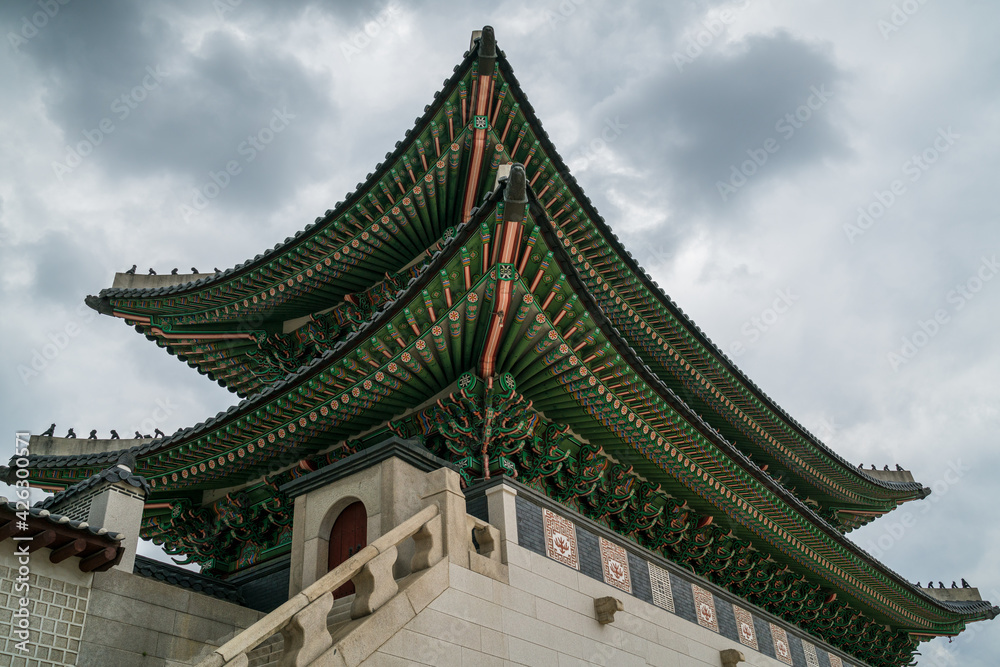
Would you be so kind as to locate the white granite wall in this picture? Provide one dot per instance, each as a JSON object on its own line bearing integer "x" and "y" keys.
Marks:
{"x": 545, "y": 617}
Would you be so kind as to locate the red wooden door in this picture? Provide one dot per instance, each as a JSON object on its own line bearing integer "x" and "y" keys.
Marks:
{"x": 348, "y": 536}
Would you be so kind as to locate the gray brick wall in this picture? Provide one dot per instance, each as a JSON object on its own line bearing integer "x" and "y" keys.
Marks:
{"x": 798, "y": 655}
{"x": 530, "y": 532}
{"x": 479, "y": 508}
{"x": 765, "y": 643}
{"x": 590, "y": 555}
{"x": 727, "y": 619}
{"x": 640, "y": 578}
{"x": 683, "y": 598}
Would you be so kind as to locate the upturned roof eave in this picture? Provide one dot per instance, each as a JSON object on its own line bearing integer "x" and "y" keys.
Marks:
{"x": 102, "y": 304}
{"x": 910, "y": 492}
{"x": 624, "y": 348}
{"x": 293, "y": 381}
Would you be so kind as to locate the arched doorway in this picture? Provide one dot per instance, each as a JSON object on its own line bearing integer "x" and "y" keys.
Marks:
{"x": 348, "y": 536}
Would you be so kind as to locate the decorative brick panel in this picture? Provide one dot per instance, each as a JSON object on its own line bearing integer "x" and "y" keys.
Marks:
{"x": 560, "y": 539}
{"x": 704, "y": 608}
{"x": 614, "y": 564}
{"x": 744, "y": 627}
{"x": 575, "y": 544}
{"x": 782, "y": 650}
{"x": 812, "y": 660}
{"x": 659, "y": 581}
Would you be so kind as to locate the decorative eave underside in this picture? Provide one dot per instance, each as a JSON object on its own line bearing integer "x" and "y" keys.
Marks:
{"x": 567, "y": 357}
{"x": 204, "y": 322}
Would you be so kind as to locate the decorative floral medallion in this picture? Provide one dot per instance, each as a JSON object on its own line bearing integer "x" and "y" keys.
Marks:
{"x": 744, "y": 627}
{"x": 781, "y": 648}
{"x": 560, "y": 539}
{"x": 704, "y": 608}
{"x": 614, "y": 564}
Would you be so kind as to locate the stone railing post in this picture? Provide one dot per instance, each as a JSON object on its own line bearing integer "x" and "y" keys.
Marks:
{"x": 302, "y": 620}
{"x": 429, "y": 545}
{"x": 306, "y": 635}
{"x": 444, "y": 489}
{"x": 374, "y": 585}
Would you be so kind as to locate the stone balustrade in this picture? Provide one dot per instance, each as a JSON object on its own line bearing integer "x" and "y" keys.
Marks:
{"x": 302, "y": 621}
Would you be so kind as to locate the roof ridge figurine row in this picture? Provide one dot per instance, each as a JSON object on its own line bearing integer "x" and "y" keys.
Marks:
{"x": 173, "y": 272}
{"x": 50, "y": 432}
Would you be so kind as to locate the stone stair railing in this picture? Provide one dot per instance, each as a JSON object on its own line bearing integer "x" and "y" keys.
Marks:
{"x": 302, "y": 621}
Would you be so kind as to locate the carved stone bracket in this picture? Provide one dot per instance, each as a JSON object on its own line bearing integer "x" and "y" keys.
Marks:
{"x": 605, "y": 609}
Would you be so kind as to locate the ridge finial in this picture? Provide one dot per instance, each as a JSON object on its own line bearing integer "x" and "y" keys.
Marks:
{"x": 516, "y": 192}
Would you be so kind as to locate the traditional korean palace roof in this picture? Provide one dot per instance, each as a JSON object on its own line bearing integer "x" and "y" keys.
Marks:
{"x": 468, "y": 294}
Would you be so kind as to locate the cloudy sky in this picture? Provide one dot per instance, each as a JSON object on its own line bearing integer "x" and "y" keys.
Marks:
{"x": 814, "y": 183}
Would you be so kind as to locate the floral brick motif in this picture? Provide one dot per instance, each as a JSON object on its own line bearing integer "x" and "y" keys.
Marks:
{"x": 614, "y": 564}
{"x": 812, "y": 660}
{"x": 560, "y": 539}
{"x": 659, "y": 582}
{"x": 835, "y": 660}
{"x": 704, "y": 608}
{"x": 744, "y": 627}
{"x": 781, "y": 648}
